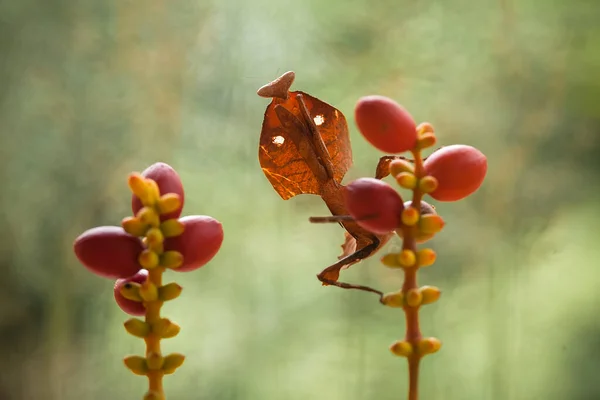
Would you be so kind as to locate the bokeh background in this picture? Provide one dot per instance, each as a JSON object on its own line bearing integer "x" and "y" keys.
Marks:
{"x": 91, "y": 90}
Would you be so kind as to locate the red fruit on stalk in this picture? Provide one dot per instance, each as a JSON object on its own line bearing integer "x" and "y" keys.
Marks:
{"x": 109, "y": 251}
{"x": 385, "y": 124}
{"x": 131, "y": 307}
{"x": 374, "y": 204}
{"x": 200, "y": 241}
{"x": 459, "y": 170}
{"x": 168, "y": 181}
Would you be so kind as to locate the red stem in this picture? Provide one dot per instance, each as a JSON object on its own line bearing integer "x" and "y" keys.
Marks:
{"x": 413, "y": 331}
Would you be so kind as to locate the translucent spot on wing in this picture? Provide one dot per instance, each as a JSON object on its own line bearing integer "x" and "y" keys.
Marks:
{"x": 278, "y": 140}
{"x": 319, "y": 120}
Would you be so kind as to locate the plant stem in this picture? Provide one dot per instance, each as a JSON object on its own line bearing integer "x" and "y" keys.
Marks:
{"x": 413, "y": 331}
{"x": 153, "y": 340}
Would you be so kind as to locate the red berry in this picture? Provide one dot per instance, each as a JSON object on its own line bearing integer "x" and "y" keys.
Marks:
{"x": 374, "y": 204}
{"x": 168, "y": 181}
{"x": 200, "y": 241}
{"x": 109, "y": 251}
{"x": 459, "y": 170}
{"x": 129, "y": 306}
{"x": 385, "y": 124}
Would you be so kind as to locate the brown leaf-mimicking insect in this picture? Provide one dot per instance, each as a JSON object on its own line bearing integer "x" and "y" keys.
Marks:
{"x": 305, "y": 149}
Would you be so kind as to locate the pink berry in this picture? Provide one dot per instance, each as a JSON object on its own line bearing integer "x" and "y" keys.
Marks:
{"x": 374, "y": 204}
{"x": 385, "y": 124}
{"x": 109, "y": 251}
{"x": 459, "y": 170}
{"x": 131, "y": 307}
{"x": 168, "y": 181}
{"x": 199, "y": 243}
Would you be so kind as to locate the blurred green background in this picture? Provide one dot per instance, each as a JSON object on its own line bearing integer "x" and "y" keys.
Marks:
{"x": 91, "y": 90}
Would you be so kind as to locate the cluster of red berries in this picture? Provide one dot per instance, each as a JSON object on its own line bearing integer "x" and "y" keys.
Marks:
{"x": 448, "y": 174}
{"x": 155, "y": 237}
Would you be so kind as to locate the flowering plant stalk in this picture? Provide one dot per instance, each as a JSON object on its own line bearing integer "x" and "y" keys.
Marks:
{"x": 138, "y": 253}
{"x": 305, "y": 149}
{"x": 450, "y": 173}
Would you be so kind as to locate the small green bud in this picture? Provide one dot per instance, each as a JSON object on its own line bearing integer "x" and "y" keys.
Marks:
{"x": 407, "y": 258}
{"x": 136, "y": 364}
{"x": 165, "y": 328}
{"x": 137, "y": 327}
{"x": 148, "y": 259}
{"x": 148, "y": 216}
{"x": 410, "y": 216}
{"x": 399, "y": 166}
{"x": 401, "y": 348}
{"x": 169, "y": 292}
{"x": 134, "y": 226}
{"x": 172, "y": 362}
{"x": 172, "y": 227}
{"x": 131, "y": 291}
{"x": 391, "y": 260}
{"x": 168, "y": 203}
{"x": 393, "y": 299}
{"x": 171, "y": 259}
{"x": 148, "y": 291}
{"x": 431, "y": 223}
{"x": 414, "y": 297}
{"x": 429, "y": 346}
{"x": 430, "y": 294}
{"x": 426, "y": 140}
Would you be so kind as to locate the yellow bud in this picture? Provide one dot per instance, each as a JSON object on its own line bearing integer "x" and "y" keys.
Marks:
{"x": 410, "y": 216}
{"x": 407, "y": 180}
{"x": 401, "y": 348}
{"x": 131, "y": 291}
{"x": 430, "y": 294}
{"x": 168, "y": 203}
{"x": 136, "y": 364}
{"x": 423, "y": 237}
{"x": 426, "y": 140}
{"x": 429, "y": 346}
{"x": 172, "y": 362}
{"x": 138, "y": 186}
{"x": 137, "y": 327}
{"x": 172, "y": 227}
{"x": 154, "y": 361}
{"x": 171, "y": 259}
{"x": 148, "y": 216}
{"x": 419, "y": 238}
{"x": 155, "y": 237}
{"x": 148, "y": 291}
{"x": 424, "y": 127}
{"x": 391, "y": 260}
{"x": 431, "y": 223}
{"x": 148, "y": 259}
{"x": 428, "y": 184}
{"x": 393, "y": 299}
{"x": 414, "y": 298}
{"x": 134, "y": 226}
{"x": 169, "y": 292}
{"x": 399, "y": 166}
{"x": 153, "y": 191}
{"x": 165, "y": 328}
{"x": 407, "y": 258}
{"x": 425, "y": 257}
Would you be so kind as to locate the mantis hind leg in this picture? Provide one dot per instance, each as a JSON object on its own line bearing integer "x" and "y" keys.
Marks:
{"x": 330, "y": 274}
